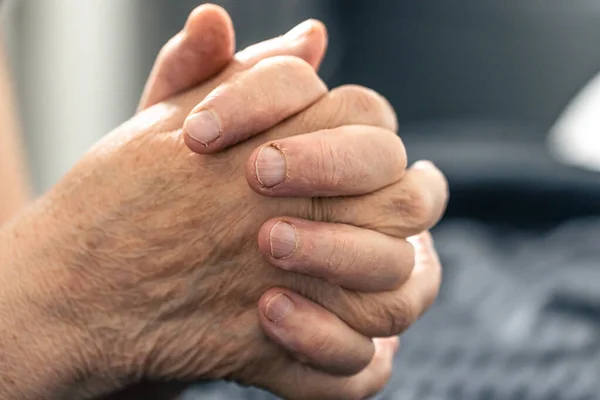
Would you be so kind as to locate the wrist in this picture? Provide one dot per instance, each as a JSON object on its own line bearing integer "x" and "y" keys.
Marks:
{"x": 43, "y": 350}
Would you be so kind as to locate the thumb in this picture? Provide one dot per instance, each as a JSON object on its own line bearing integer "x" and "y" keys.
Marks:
{"x": 200, "y": 50}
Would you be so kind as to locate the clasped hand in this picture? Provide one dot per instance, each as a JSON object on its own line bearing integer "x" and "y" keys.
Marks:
{"x": 254, "y": 226}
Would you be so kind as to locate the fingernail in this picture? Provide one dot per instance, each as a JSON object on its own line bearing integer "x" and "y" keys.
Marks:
{"x": 299, "y": 31}
{"x": 283, "y": 240}
{"x": 279, "y": 307}
{"x": 423, "y": 165}
{"x": 203, "y": 127}
{"x": 270, "y": 167}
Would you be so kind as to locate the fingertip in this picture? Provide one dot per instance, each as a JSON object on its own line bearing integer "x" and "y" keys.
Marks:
{"x": 428, "y": 167}
{"x": 397, "y": 346}
{"x": 424, "y": 165}
{"x": 383, "y": 359}
{"x": 322, "y": 30}
{"x": 422, "y": 240}
{"x": 203, "y": 47}
{"x": 316, "y": 43}
{"x": 428, "y": 268}
{"x": 323, "y": 36}
{"x": 425, "y": 253}
{"x": 207, "y": 13}
{"x": 307, "y": 40}
{"x": 427, "y": 238}
{"x": 312, "y": 334}
{"x": 215, "y": 19}
{"x": 438, "y": 185}
{"x": 391, "y": 344}
{"x": 376, "y": 375}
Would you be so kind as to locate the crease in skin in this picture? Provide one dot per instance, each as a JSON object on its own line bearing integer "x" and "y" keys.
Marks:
{"x": 231, "y": 239}
{"x": 191, "y": 244}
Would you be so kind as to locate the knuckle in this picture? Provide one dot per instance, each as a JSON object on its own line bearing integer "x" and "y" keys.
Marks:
{"x": 400, "y": 315}
{"x": 361, "y": 105}
{"x": 415, "y": 207}
{"x": 384, "y": 317}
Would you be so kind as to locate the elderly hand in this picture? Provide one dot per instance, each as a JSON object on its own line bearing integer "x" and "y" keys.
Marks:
{"x": 142, "y": 262}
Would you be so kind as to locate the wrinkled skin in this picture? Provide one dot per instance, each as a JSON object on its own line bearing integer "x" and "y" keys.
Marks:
{"x": 148, "y": 266}
{"x": 125, "y": 250}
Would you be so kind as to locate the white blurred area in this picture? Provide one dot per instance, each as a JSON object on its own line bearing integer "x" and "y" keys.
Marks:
{"x": 73, "y": 62}
{"x": 575, "y": 138}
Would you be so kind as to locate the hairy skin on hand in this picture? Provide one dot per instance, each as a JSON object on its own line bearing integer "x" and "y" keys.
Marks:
{"x": 158, "y": 274}
{"x": 141, "y": 267}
